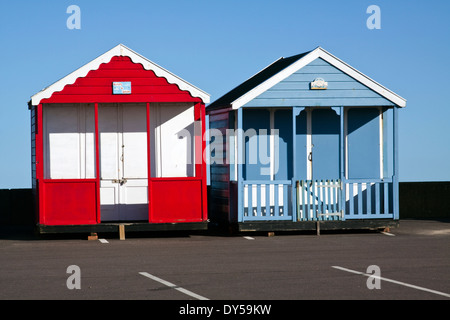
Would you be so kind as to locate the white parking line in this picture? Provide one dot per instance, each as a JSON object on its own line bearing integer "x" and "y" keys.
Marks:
{"x": 249, "y": 238}
{"x": 388, "y": 234}
{"x": 174, "y": 286}
{"x": 103, "y": 240}
{"x": 393, "y": 281}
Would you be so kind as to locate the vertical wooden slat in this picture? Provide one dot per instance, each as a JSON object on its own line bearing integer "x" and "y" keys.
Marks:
{"x": 276, "y": 206}
{"x": 320, "y": 199}
{"x": 332, "y": 205}
{"x": 360, "y": 201}
{"x": 368, "y": 198}
{"x": 304, "y": 207}
{"x": 327, "y": 199}
{"x": 311, "y": 208}
{"x": 316, "y": 193}
{"x": 258, "y": 200}
{"x": 249, "y": 200}
{"x": 316, "y": 199}
{"x": 386, "y": 198}
{"x": 333, "y": 197}
{"x": 267, "y": 187}
{"x": 328, "y": 202}
{"x": 302, "y": 190}
{"x": 324, "y": 192}
{"x": 377, "y": 198}
{"x": 307, "y": 200}
{"x": 285, "y": 200}
{"x": 301, "y": 200}
{"x": 323, "y": 199}
{"x": 329, "y": 193}
{"x": 351, "y": 200}
{"x": 312, "y": 199}
{"x": 339, "y": 196}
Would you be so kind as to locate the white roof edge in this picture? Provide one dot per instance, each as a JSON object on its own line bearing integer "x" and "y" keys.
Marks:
{"x": 119, "y": 50}
{"x": 308, "y": 58}
{"x": 364, "y": 79}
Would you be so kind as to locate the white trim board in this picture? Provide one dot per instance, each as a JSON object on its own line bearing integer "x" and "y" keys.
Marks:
{"x": 119, "y": 50}
{"x": 328, "y": 57}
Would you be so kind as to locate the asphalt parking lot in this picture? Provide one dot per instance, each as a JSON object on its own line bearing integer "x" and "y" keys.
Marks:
{"x": 411, "y": 262}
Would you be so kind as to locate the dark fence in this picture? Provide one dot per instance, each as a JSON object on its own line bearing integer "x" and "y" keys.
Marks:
{"x": 419, "y": 200}
{"x": 424, "y": 199}
{"x": 16, "y": 207}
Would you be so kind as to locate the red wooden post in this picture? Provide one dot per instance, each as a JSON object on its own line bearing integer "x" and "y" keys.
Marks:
{"x": 203, "y": 142}
{"x": 149, "y": 167}
{"x": 40, "y": 163}
{"x": 97, "y": 165}
{"x": 198, "y": 140}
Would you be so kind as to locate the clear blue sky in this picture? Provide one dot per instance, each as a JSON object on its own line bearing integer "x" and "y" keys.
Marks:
{"x": 216, "y": 45}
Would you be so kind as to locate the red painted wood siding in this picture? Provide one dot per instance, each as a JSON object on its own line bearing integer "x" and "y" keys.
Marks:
{"x": 69, "y": 202}
{"x": 177, "y": 200}
{"x": 96, "y": 86}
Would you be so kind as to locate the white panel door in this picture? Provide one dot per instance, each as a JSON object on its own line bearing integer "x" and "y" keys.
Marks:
{"x": 123, "y": 162}
{"x": 134, "y": 187}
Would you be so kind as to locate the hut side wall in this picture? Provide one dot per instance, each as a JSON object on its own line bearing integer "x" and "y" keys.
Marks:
{"x": 219, "y": 194}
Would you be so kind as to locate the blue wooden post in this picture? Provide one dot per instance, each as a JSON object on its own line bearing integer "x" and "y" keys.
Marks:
{"x": 395, "y": 177}
{"x": 295, "y": 112}
{"x": 342, "y": 161}
{"x": 240, "y": 157}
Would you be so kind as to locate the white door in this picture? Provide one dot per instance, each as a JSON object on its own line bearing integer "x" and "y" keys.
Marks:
{"x": 123, "y": 162}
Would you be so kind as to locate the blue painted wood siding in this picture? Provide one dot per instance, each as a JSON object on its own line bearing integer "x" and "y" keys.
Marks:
{"x": 283, "y": 156}
{"x": 342, "y": 90}
{"x": 257, "y": 132}
{"x": 257, "y": 144}
{"x": 363, "y": 137}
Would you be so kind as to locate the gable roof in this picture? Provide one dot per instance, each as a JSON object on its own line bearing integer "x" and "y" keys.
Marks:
{"x": 119, "y": 50}
{"x": 283, "y": 68}
{"x": 255, "y": 80}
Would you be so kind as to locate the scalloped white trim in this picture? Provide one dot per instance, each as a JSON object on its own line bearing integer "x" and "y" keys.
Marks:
{"x": 119, "y": 50}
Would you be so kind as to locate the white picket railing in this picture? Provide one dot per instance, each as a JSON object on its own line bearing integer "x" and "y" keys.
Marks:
{"x": 319, "y": 200}
{"x": 316, "y": 200}
{"x": 267, "y": 200}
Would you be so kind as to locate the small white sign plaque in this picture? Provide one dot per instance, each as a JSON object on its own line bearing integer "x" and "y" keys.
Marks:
{"x": 319, "y": 84}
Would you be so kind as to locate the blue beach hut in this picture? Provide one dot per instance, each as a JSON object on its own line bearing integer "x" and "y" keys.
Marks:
{"x": 308, "y": 141}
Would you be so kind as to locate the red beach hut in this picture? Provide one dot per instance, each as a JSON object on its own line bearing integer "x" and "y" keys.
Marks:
{"x": 119, "y": 142}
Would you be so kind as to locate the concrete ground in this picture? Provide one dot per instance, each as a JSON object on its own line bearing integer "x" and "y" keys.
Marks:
{"x": 411, "y": 262}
